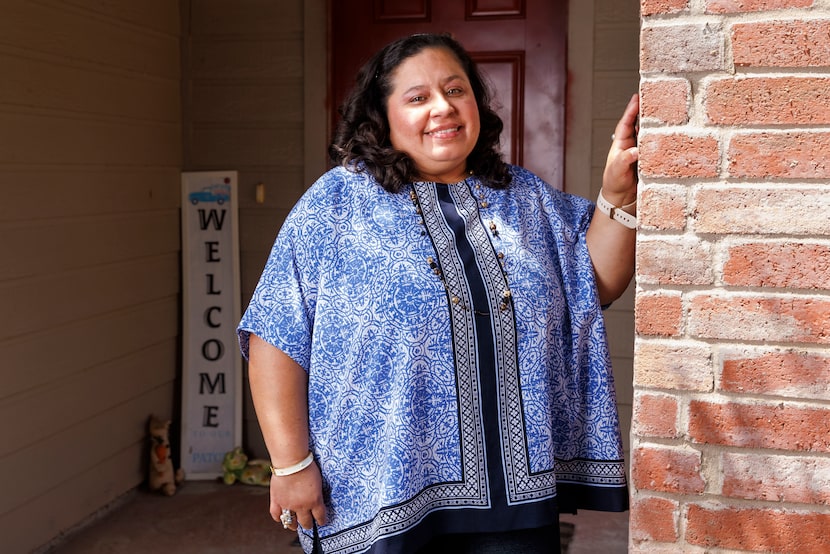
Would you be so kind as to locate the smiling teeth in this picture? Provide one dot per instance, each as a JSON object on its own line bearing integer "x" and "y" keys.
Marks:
{"x": 445, "y": 131}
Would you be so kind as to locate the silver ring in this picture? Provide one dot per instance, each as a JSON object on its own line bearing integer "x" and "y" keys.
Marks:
{"x": 287, "y": 518}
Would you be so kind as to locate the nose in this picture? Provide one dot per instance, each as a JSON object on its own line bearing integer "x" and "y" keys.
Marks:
{"x": 441, "y": 105}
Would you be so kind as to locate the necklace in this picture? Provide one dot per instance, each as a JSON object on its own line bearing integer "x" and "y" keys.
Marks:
{"x": 477, "y": 235}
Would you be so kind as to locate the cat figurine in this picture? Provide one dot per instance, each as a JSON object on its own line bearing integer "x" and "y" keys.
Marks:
{"x": 161, "y": 474}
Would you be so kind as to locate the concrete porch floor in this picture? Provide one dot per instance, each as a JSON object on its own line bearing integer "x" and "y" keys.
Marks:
{"x": 209, "y": 517}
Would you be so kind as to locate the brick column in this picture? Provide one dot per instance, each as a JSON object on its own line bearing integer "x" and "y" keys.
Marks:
{"x": 731, "y": 427}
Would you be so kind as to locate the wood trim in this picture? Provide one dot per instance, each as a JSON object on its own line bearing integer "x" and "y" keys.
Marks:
{"x": 504, "y": 9}
{"x": 516, "y": 60}
{"x": 408, "y": 12}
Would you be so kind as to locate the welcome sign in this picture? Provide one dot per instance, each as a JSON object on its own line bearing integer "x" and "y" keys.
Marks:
{"x": 211, "y": 363}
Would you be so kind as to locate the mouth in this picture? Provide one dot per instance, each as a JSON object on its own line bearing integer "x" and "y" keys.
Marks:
{"x": 444, "y": 132}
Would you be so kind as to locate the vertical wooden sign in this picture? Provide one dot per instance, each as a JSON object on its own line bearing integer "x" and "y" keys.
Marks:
{"x": 211, "y": 363}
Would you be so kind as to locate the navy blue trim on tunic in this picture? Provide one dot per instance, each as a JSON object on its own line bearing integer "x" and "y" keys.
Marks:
{"x": 500, "y": 516}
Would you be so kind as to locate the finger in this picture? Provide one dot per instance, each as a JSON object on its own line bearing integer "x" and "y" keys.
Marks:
{"x": 630, "y": 155}
{"x": 624, "y": 136}
{"x": 620, "y": 161}
{"x": 626, "y": 163}
{"x": 276, "y": 511}
{"x": 305, "y": 519}
{"x": 627, "y": 126}
{"x": 278, "y": 517}
{"x": 632, "y": 109}
{"x": 621, "y": 174}
{"x": 291, "y": 526}
{"x": 319, "y": 513}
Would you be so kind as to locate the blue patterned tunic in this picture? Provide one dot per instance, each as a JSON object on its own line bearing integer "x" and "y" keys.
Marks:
{"x": 459, "y": 377}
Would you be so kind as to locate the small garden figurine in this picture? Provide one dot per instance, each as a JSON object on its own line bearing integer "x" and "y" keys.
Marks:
{"x": 237, "y": 467}
{"x": 161, "y": 475}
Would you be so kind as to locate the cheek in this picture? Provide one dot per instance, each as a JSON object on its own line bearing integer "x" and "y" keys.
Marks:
{"x": 475, "y": 121}
{"x": 403, "y": 128}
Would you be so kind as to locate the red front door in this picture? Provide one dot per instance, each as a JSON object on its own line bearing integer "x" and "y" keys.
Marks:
{"x": 518, "y": 44}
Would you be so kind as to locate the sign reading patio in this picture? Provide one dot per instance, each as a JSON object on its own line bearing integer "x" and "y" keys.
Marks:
{"x": 211, "y": 364}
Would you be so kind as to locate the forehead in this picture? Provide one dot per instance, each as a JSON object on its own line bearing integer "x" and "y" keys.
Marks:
{"x": 428, "y": 64}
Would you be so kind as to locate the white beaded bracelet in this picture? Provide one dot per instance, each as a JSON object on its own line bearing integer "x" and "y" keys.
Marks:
{"x": 296, "y": 468}
{"x": 615, "y": 213}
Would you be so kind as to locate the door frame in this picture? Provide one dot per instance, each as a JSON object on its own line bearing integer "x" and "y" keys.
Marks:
{"x": 578, "y": 95}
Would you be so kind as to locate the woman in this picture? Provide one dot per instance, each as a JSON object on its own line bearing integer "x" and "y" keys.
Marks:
{"x": 427, "y": 355}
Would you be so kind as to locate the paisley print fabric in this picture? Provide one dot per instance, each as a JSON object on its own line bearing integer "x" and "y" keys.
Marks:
{"x": 459, "y": 377}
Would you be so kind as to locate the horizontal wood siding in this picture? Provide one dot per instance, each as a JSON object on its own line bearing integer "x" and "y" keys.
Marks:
{"x": 90, "y": 158}
{"x": 615, "y": 78}
{"x": 243, "y": 100}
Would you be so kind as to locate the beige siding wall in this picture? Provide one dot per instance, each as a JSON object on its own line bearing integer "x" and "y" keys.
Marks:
{"x": 243, "y": 99}
{"x": 616, "y": 77}
{"x": 603, "y": 73}
{"x": 89, "y": 178}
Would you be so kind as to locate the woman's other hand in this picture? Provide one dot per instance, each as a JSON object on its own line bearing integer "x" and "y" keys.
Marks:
{"x": 611, "y": 244}
{"x": 302, "y": 494}
{"x": 279, "y": 389}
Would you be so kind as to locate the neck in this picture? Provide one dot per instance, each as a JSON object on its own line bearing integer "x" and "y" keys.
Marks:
{"x": 446, "y": 179}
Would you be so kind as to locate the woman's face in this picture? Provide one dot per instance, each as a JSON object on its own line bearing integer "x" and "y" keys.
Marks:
{"x": 433, "y": 115}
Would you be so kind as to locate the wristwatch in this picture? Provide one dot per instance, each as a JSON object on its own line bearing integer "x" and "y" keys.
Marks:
{"x": 617, "y": 213}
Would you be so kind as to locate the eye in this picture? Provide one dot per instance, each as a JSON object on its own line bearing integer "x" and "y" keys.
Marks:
{"x": 455, "y": 91}
{"x": 417, "y": 99}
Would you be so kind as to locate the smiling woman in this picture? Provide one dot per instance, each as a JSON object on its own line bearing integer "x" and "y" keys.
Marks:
{"x": 433, "y": 115}
{"x": 399, "y": 80}
{"x": 465, "y": 398}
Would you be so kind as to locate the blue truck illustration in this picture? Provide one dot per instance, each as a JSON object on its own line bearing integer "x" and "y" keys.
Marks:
{"x": 219, "y": 193}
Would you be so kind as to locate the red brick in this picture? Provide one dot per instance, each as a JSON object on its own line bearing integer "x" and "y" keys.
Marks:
{"x": 778, "y": 426}
{"x": 678, "y": 155}
{"x": 758, "y": 530}
{"x": 658, "y": 7}
{"x": 742, "y": 6}
{"x": 655, "y": 416}
{"x": 776, "y": 478}
{"x": 662, "y": 208}
{"x": 768, "y": 101}
{"x": 761, "y": 210}
{"x": 654, "y": 519}
{"x": 666, "y": 469}
{"x": 781, "y": 373}
{"x": 789, "y": 264}
{"x": 666, "y": 101}
{"x": 675, "y": 261}
{"x": 658, "y": 314}
{"x": 795, "y": 43}
{"x": 789, "y": 155}
{"x": 682, "y": 48}
{"x": 671, "y": 365}
{"x": 758, "y": 318}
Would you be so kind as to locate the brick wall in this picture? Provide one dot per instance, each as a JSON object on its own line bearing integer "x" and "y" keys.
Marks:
{"x": 731, "y": 433}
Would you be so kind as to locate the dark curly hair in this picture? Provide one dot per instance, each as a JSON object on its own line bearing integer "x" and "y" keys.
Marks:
{"x": 362, "y": 136}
